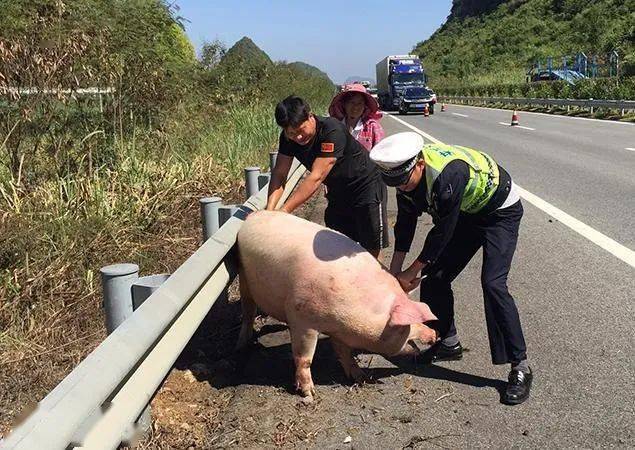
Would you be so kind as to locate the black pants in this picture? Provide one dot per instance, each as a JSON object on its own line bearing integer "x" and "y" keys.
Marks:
{"x": 497, "y": 233}
{"x": 365, "y": 224}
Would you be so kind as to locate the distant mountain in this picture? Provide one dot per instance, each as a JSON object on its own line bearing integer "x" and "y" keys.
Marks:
{"x": 309, "y": 69}
{"x": 359, "y": 78}
{"x": 246, "y": 52}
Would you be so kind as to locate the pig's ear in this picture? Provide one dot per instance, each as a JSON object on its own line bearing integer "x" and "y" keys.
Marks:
{"x": 407, "y": 312}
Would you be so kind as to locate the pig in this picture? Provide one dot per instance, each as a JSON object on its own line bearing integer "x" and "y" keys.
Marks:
{"x": 319, "y": 281}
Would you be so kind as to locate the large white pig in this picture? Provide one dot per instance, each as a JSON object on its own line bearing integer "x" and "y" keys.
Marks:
{"x": 318, "y": 280}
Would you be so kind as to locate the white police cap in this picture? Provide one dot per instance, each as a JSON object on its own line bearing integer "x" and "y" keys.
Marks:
{"x": 396, "y": 156}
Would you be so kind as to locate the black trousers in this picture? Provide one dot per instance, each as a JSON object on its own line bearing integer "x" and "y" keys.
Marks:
{"x": 497, "y": 233}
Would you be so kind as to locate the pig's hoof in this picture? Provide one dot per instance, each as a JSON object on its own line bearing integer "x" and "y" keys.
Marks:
{"x": 358, "y": 375}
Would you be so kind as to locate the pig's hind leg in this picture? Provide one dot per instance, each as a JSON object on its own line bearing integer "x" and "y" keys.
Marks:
{"x": 303, "y": 343}
{"x": 249, "y": 314}
{"x": 349, "y": 364}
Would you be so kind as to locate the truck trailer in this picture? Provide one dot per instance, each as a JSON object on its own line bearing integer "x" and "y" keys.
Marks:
{"x": 395, "y": 74}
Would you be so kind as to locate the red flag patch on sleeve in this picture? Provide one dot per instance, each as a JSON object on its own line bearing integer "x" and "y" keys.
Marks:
{"x": 328, "y": 147}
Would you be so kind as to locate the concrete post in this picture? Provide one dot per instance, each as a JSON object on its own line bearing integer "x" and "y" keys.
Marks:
{"x": 209, "y": 215}
{"x": 251, "y": 180}
{"x": 263, "y": 179}
{"x": 225, "y": 212}
{"x": 143, "y": 288}
{"x": 116, "y": 282}
{"x": 273, "y": 157}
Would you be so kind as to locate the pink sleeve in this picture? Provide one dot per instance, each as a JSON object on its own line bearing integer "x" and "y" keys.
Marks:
{"x": 378, "y": 133}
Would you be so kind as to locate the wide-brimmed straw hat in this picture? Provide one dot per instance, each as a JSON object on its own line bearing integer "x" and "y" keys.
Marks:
{"x": 337, "y": 104}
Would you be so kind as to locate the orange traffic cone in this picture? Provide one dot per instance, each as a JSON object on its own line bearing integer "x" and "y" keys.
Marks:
{"x": 442, "y": 107}
{"x": 426, "y": 111}
{"x": 514, "y": 118}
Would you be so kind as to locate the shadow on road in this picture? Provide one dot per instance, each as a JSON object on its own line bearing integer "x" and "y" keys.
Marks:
{"x": 269, "y": 362}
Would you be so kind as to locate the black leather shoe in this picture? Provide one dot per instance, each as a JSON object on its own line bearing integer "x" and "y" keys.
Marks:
{"x": 441, "y": 352}
{"x": 518, "y": 386}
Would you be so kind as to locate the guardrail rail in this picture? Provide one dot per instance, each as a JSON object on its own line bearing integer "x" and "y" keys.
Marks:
{"x": 591, "y": 104}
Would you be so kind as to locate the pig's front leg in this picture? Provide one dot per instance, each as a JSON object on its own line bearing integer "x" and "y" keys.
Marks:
{"x": 345, "y": 357}
{"x": 303, "y": 343}
{"x": 249, "y": 314}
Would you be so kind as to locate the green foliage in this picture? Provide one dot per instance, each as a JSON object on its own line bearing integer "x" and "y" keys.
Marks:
{"x": 598, "y": 88}
{"x": 309, "y": 70}
{"x": 479, "y": 46}
{"x": 245, "y": 53}
{"x": 88, "y": 180}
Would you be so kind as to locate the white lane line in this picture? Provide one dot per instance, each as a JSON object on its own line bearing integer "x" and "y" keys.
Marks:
{"x": 460, "y": 115}
{"x": 548, "y": 115}
{"x": 613, "y": 247}
{"x": 630, "y": 148}
{"x": 517, "y": 126}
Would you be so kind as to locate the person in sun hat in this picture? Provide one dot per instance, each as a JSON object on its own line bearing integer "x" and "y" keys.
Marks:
{"x": 473, "y": 203}
{"x": 359, "y": 111}
{"x": 356, "y": 200}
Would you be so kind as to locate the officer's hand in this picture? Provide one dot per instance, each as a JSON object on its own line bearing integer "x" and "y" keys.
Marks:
{"x": 408, "y": 281}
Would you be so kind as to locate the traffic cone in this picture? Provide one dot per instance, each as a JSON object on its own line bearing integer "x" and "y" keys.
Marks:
{"x": 426, "y": 111}
{"x": 514, "y": 118}
{"x": 442, "y": 107}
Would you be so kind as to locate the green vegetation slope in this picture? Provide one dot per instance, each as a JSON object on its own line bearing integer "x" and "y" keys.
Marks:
{"x": 495, "y": 41}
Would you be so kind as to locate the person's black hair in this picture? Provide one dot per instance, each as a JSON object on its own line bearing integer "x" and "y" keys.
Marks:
{"x": 292, "y": 111}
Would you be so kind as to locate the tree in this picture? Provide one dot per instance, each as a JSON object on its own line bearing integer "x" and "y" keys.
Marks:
{"x": 212, "y": 53}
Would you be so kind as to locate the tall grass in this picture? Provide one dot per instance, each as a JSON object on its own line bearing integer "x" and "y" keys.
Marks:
{"x": 56, "y": 234}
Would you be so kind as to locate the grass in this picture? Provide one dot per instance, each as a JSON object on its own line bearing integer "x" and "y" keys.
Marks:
{"x": 56, "y": 234}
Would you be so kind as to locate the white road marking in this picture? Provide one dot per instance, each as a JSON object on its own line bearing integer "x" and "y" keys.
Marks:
{"x": 548, "y": 115}
{"x": 460, "y": 115}
{"x": 630, "y": 148}
{"x": 517, "y": 126}
{"x": 613, "y": 247}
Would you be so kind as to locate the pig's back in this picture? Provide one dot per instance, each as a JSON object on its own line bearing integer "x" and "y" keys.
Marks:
{"x": 291, "y": 264}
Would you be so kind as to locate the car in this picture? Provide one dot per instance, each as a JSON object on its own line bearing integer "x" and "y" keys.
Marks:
{"x": 416, "y": 99}
{"x": 372, "y": 92}
{"x": 568, "y": 75}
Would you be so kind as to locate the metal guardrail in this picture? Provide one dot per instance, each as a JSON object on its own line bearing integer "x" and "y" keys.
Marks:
{"x": 95, "y": 405}
{"x": 622, "y": 105}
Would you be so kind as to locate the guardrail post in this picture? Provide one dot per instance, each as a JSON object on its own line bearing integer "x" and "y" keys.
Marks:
{"x": 251, "y": 180}
{"x": 209, "y": 215}
{"x": 225, "y": 213}
{"x": 116, "y": 282}
{"x": 273, "y": 157}
{"x": 263, "y": 179}
{"x": 143, "y": 288}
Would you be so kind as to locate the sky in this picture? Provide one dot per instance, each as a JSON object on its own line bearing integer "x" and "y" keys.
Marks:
{"x": 342, "y": 38}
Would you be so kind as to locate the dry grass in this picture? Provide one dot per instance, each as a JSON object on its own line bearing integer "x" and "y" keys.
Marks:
{"x": 56, "y": 235}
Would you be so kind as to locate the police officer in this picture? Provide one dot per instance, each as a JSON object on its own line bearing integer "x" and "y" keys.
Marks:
{"x": 474, "y": 204}
{"x": 356, "y": 193}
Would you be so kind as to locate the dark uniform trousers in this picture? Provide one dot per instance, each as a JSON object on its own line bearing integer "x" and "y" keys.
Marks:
{"x": 497, "y": 233}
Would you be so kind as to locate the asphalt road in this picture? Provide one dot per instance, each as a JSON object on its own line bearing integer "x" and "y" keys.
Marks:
{"x": 577, "y": 301}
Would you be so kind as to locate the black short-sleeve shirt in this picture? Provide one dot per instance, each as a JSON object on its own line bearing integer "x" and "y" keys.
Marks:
{"x": 354, "y": 180}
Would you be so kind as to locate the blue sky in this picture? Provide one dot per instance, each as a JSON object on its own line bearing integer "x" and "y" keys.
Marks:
{"x": 343, "y": 38}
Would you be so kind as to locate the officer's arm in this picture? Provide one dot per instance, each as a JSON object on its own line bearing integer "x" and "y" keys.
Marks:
{"x": 320, "y": 169}
{"x": 447, "y": 194}
{"x": 278, "y": 180}
{"x": 405, "y": 229}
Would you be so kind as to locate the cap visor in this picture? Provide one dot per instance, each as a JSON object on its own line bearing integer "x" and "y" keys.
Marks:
{"x": 396, "y": 180}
